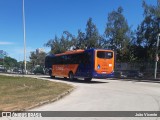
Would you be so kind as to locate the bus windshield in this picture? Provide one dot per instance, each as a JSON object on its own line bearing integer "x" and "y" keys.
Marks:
{"x": 104, "y": 54}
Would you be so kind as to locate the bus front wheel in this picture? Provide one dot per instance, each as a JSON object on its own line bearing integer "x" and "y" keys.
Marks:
{"x": 71, "y": 76}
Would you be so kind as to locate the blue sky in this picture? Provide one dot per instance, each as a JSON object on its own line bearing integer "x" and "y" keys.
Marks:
{"x": 45, "y": 18}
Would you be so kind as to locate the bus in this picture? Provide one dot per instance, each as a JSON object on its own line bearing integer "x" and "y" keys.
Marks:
{"x": 86, "y": 64}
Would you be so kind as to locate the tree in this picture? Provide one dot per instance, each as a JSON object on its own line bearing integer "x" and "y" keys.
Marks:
{"x": 118, "y": 34}
{"x": 66, "y": 41}
{"x": 2, "y": 56}
{"x": 33, "y": 58}
{"x": 59, "y": 45}
{"x": 148, "y": 29}
{"x": 21, "y": 65}
{"x": 10, "y": 63}
{"x": 92, "y": 35}
{"x": 37, "y": 59}
{"x": 81, "y": 44}
{"x": 54, "y": 44}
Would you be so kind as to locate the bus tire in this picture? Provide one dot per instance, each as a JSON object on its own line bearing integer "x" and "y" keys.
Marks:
{"x": 87, "y": 79}
{"x": 52, "y": 77}
{"x": 71, "y": 76}
{"x": 50, "y": 74}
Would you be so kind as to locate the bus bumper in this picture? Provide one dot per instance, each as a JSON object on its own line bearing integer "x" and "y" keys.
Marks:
{"x": 96, "y": 75}
{"x": 111, "y": 75}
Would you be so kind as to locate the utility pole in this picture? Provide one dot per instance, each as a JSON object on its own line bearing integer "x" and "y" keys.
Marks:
{"x": 24, "y": 37}
{"x": 157, "y": 58}
{"x": 157, "y": 45}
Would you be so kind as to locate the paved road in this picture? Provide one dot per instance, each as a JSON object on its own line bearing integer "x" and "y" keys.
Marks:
{"x": 107, "y": 95}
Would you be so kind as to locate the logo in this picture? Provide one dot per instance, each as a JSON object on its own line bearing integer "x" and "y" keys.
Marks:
{"x": 20, "y": 114}
{"x": 6, "y": 114}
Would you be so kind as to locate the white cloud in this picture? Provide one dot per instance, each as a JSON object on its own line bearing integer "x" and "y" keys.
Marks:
{"x": 6, "y": 43}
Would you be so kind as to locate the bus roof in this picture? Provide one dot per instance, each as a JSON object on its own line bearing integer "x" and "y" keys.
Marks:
{"x": 70, "y": 52}
{"x": 77, "y": 51}
{"x": 104, "y": 50}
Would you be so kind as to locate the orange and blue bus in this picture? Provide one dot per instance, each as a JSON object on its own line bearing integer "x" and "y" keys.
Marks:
{"x": 87, "y": 64}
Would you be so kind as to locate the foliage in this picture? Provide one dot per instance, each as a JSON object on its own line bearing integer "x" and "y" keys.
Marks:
{"x": 118, "y": 34}
{"x": 129, "y": 46}
{"x": 37, "y": 59}
{"x": 59, "y": 45}
{"x": 92, "y": 35}
{"x": 2, "y": 54}
{"x": 10, "y": 63}
{"x": 89, "y": 39}
{"x": 81, "y": 42}
{"x": 148, "y": 29}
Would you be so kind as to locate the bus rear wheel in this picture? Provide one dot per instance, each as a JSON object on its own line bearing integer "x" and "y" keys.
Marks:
{"x": 71, "y": 76}
{"x": 88, "y": 79}
{"x": 50, "y": 74}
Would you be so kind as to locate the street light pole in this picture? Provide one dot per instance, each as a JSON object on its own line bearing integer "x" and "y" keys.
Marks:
{"x": 24, "y": 37}
{"x": 157, "y": 58}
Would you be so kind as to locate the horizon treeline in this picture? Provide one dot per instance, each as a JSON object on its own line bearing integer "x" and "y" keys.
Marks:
{"x": 129, "y": 45}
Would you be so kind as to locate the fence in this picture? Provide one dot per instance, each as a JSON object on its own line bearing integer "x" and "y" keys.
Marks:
{"x": 146, "y": 68}
{"x": 141, "y": 66}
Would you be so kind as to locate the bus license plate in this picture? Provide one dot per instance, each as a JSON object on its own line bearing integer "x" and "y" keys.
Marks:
{"x": 104, "y": 72}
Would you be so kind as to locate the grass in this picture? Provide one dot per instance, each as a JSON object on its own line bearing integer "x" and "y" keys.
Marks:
{"x": 17, "y": 93}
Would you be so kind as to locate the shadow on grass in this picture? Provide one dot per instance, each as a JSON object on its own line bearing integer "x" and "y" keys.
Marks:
{"x": 75, "y": 80}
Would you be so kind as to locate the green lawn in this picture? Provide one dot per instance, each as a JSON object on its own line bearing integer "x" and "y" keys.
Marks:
{"x": 17, "y": 93}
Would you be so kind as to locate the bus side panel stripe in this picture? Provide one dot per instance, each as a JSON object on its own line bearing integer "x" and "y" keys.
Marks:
{"x": 63, "y": 70}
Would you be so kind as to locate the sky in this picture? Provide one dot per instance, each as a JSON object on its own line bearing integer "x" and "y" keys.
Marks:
{"x": 46, "y": 18}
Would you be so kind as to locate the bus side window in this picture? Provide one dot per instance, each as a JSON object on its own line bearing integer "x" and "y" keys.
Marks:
{"x": 59, "y": 60}
{"x": 68, "y": 59}
{"x": 75, "y": 59}
{"x": 64, "y": 59}
{"x": 71, "y": 59}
